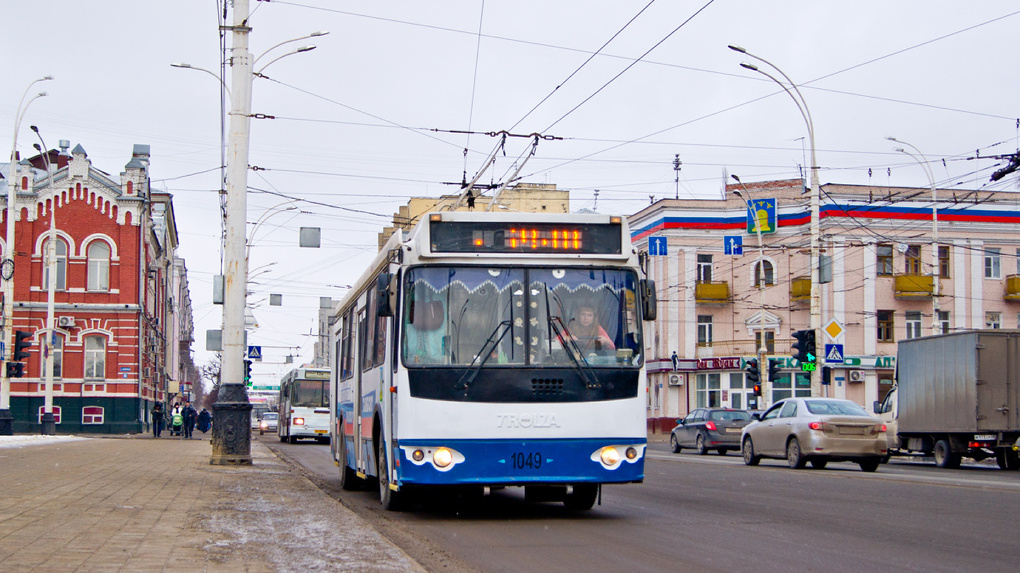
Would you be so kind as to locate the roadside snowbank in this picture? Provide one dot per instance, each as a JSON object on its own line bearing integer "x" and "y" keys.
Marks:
{"x": 30, "y": 440}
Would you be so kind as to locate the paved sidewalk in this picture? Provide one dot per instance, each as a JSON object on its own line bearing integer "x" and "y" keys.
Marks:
{"x": 144, "y": 504}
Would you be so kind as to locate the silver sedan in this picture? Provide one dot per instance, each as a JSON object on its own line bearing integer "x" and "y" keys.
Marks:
{"x": 816, "y": 430}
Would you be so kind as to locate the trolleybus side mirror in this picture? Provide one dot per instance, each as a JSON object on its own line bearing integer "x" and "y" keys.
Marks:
{"x": 649, "y": 305}
{"x": 385, "y": 294}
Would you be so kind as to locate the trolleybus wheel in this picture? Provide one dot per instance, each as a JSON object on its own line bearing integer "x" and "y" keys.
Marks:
{"x": 390, "y": 499}
{"x": 582, "y": 498}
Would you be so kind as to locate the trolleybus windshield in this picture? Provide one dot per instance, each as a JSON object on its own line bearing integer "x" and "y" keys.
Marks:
{"x": 556, "y": 317}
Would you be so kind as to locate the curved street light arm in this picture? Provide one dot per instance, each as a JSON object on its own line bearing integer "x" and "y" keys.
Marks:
{"x": 307, "y": 48}
{"x": 305, "y": 37}
{"x": 185, "y": 66}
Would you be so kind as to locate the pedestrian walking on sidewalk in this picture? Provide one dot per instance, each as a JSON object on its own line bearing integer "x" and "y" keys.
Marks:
{"x": 157, "y": 418}
{"x": 204, "y": 420}
{"x": 176, "y": 421}
{"x": 190, "y": 417}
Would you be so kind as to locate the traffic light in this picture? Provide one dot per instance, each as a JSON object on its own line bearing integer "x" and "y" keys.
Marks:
{"x": 804, "y": 349}
{"x": 753, "y": 375}
{"x": 15, "y": 369}
{"x": 773, "y": 369}
{"x": 21, "y": 345}
{"x": 247, "y": 372}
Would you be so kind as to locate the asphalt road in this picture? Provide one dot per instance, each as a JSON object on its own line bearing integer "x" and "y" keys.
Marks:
{"x": 713, "y": 513}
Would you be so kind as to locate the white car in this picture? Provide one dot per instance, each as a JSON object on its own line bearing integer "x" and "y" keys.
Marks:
{"x": 816, "y": 430}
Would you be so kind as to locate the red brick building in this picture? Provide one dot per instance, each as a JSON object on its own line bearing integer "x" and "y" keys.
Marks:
{"x": 117, "y": 342}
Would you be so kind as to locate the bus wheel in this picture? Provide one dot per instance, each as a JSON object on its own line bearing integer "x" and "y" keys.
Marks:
{"x": 349, "y": 479}
{"x": 390, "y": 499}
{"x": 582, "y": 498}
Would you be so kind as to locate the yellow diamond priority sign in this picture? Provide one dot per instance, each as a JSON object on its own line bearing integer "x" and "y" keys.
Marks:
{"x": 833, "y": 329}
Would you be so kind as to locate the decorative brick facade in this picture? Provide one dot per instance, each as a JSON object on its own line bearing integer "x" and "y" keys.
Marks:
{"x": 121, "y": 302}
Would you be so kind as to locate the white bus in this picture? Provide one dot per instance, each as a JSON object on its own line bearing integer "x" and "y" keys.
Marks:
{"x": 485, "y": 350}
{"x": 304, "y": 405}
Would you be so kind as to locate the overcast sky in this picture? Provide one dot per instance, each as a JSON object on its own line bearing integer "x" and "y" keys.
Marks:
{"x": 627, "y": 85}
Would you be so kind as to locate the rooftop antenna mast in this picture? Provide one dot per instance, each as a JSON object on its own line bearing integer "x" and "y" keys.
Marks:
{"x": 676, "y": 167}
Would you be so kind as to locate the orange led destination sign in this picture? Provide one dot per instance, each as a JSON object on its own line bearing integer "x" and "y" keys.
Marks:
{"x": 490, "y": 237}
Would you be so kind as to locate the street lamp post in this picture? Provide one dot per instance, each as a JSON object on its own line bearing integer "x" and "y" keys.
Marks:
{"x": 231, "y": 439}
{"x": 936, "y": 324}
{"x": 49, "y": 425}
{"x": 763, "y": 369}
{"x": 815, "y": 190}
{"x": 7, "y": 267}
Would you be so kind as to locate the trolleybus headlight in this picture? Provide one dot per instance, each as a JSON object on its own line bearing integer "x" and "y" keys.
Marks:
{"x": 442, "y": 457}
{"x": 610, "y": 456}
{"x": 417, "y": 455}
{"x": 631, "y": 453}
{"x": 299, "y": 421}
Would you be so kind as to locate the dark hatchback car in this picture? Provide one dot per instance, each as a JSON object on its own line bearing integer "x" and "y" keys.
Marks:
{"x": 707, "y": 429}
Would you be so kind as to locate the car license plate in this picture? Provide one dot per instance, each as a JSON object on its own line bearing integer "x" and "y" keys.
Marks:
{"x": 984, "y": 437}
{"x": 321, "y": 431}
{"x": 732, "y": 430}
{"x": 851, "y": 430}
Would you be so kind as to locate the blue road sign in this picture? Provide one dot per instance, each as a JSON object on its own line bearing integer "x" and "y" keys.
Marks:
{"x": 657, "y": 246}
{"x": 733, "y": 245}
{"x": 834, "y": 353}
{"x": 255, "y": 353}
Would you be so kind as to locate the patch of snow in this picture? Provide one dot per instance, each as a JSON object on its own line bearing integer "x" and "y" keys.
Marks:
{"x": 35, "y": 440}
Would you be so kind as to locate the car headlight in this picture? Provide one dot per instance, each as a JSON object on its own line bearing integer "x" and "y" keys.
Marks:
{"x": 442, "y": 457}
{"x": 610, "y": 456}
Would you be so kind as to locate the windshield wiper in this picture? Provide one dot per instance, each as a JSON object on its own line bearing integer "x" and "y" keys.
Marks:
{"x": 574, "y": 352}
{"x": 469, "y": 377}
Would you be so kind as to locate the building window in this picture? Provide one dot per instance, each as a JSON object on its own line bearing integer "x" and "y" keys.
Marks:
{"x": 913, "y": 324}
{"x": 707, "y": 389}
{"x": 770, "y": 341}
{"x": 704, "y": 330}
{"x": 884, "y": 260}
{"x": 95, "y": 357}
{"x": 992, "y": 265}
{"x": 993, "y": 320}
{"x": 736, "y": 390}
{"x": 885, "y": 326}
{"x": 91, "y": 415}
{"x": 99, "y": 266}
{"x": 61, "y": 266}
{"x": 58, "y": 357}
{"x": 944, "y": 262}
{"x": 764, "y": 268}
{"x": 56, "y": 413}
{"x": 944, "y": 321}
{"x": 704, "y": 268}
{"x": 912, "y": 257}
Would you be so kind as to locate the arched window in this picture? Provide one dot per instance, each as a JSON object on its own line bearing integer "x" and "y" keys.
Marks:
{"x": 95, "y": 357}
{"x": 61, "y": 266}
{"x": 770, "y": 275}
{"x": 99, "y": 266}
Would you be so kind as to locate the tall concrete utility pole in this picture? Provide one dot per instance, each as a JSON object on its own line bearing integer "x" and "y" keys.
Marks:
{"x": 231, "y": 437}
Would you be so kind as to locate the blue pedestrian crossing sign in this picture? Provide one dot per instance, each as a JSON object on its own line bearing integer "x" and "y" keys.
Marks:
{"x": 255, "y": 353}
{"x": 761, "y": 213}
{"x": 733, "y": 245}
{"x": 834, "y": 353}
{"x": 657, "y": 246}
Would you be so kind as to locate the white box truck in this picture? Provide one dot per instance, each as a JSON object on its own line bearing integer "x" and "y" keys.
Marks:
{"x": 956, "y": 395}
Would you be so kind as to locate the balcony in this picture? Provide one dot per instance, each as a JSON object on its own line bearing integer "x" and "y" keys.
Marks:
{"x": 712, "y": 292}
{"x": 913, "y": 287}
{"x": 800, "y": 289}
{"x": 1012, "y": 288}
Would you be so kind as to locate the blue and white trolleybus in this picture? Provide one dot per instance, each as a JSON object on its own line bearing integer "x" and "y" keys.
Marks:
{"x": 485, "y": 350}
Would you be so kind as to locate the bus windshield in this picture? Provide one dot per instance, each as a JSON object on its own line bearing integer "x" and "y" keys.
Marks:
{"x": 310, "y": 393}
{"x": 494, "y": 316}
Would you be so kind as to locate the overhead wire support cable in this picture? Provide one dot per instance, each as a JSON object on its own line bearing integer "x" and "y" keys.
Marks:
{"x": 631, "y": 65}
